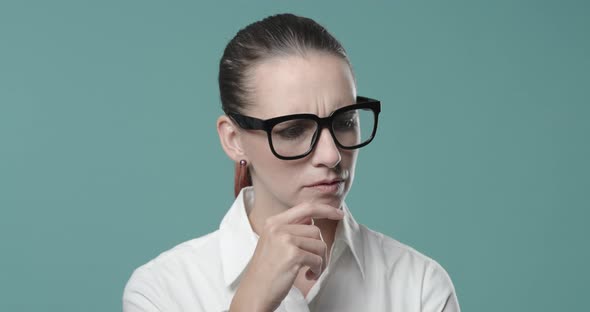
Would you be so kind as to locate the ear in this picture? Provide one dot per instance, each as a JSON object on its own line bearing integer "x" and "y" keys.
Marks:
{"x": 229, "y": 137}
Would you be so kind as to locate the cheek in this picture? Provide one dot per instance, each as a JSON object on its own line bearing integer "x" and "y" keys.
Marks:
{"x": 255, "y": 146}
{"x": 277, "y": 172}
{"x": 269, "y": 169}
{"x": 348, "y": 163}
{"x": 349, "y": 158}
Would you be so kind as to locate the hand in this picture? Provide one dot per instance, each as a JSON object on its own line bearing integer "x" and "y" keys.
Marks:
{"x": 289, "y": 241}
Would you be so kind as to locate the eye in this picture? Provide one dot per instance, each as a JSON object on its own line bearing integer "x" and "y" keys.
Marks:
{"x": 294, "y": 129}
{"x": 346, "y": 121}
{"x": 292, "y": 132}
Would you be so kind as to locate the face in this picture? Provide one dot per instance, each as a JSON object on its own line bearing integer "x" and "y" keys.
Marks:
{"x": 318, "y": 84}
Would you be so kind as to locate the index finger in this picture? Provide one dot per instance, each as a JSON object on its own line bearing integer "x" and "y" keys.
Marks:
{"x": 304, "y": 211}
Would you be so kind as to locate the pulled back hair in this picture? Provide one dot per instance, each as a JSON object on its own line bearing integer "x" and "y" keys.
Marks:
{"x": 274, "y": 36}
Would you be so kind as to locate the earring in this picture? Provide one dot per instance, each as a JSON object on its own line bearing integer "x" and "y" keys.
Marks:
{"x": 241, "y": 176}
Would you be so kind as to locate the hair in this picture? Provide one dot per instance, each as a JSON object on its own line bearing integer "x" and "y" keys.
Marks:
{"x": 274, "y": 36}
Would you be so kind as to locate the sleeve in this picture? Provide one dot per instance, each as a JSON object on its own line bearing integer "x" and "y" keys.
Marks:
{"x": 438, "y": 292}
{"x": 142, "y": 293}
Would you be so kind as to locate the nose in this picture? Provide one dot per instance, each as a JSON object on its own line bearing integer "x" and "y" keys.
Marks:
{"x": 326, "y": 151}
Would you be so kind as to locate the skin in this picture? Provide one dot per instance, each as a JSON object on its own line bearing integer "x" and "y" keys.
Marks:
{"x": 290, "y": 245}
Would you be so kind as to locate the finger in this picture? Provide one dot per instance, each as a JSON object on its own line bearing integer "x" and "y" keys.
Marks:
{"x": 313, "y": 261}
{"x": 298, "y": 213}
{"x": 304, "y": 220}
{"x": 310, "y": 275}
{"x": 303, "y": 230}
{"x": 312, "y": 245}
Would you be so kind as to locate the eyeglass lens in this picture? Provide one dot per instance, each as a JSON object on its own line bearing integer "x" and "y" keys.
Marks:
{"x": 295, "y": 137}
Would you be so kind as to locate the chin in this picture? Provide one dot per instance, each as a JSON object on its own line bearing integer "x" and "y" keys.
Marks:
{"x": 334, "y": 200}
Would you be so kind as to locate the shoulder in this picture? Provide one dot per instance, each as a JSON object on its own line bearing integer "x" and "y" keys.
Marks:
{"x": 201, "y": 249}
{"x": 409, "y": 268}
{"x": 391, "y": 251}
{"x": 153, "y": 283}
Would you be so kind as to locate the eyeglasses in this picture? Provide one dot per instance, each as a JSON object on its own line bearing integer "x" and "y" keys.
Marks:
{"x": 295, "y": 136}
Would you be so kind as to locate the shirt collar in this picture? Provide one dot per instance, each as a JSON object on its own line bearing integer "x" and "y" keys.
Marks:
{"x": 238, "y": 240}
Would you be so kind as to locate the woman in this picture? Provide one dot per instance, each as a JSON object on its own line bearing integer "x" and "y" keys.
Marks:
{"x": 293, "y": 124}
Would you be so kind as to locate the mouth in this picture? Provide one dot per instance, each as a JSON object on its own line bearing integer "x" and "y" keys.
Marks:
{"x": 327, "y": 186}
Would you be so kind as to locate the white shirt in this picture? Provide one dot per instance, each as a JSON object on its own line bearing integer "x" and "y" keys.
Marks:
{"x": 367, "y": 271}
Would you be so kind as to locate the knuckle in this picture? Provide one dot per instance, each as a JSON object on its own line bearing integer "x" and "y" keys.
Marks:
{"x": 272, "y": 228}
{"x": 268, "y": 222}
{"x": 318, "y": 260}
{"x": 286, "y": 239}
{"x": 316, "y": 231}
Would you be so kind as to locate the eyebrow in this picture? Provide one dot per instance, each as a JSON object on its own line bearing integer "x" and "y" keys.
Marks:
{"x": 339, "y": 104}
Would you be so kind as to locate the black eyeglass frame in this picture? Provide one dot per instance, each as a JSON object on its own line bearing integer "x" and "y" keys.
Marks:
{"x": 252, "y": 123}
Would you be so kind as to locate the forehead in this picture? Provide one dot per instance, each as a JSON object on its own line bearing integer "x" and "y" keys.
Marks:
{"x": 317, "y": 83}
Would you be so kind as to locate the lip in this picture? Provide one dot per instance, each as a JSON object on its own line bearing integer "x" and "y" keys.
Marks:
{"x": 326, "y": 182}
{"x": 333, "y": 186}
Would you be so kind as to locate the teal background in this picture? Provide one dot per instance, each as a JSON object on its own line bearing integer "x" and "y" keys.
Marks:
{"x": 109, "y": 153}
